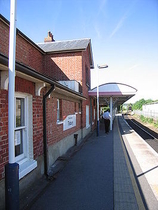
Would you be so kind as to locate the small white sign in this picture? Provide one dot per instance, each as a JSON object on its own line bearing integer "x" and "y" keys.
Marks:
{"x": 69, "y": 122}
{"x": 17, "y": 138}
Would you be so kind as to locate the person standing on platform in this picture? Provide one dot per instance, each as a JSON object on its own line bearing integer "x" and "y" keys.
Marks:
{"x": 107, "y": 117}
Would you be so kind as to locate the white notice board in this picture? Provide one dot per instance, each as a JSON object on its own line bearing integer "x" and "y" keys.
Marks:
{"x": 69, "y": 122}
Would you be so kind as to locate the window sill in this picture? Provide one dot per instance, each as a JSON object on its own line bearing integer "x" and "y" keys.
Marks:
{"x": 26, "y": 167}
{"x": 59, "y": 122}
{"x": 87, "y": 126}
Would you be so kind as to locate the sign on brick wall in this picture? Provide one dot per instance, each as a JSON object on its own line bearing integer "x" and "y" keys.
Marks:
{"x": 69, "y": 122}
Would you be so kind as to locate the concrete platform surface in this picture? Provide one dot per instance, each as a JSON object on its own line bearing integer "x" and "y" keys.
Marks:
{"x": 144, "y": 160}
{"x": 105, "y": 172}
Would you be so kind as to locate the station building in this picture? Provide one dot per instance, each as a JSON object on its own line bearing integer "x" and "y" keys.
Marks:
{"x": 53, "y": 110}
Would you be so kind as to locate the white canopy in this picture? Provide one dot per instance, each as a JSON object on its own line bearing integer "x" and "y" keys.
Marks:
{"x": 119, "y": 92}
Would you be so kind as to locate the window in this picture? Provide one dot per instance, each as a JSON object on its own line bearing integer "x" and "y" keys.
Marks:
{"x": 87, "y": 78}
{"x": 79, "y": 107}
{"x": 87, "y": 116}
{"x": 20, "y": 129}
{"x": 75, "y": 107}
{"x": 59, "y": 114}
{"x": 94, "y": 114}
{"x": 23, "y": 134}
{"x": 58, "y": 110}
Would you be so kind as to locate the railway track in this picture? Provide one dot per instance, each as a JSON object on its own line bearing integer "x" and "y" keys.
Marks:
{"x": 146, "y": 133}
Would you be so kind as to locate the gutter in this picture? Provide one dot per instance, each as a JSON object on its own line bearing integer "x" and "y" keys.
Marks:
{"x": 45, "y": 131}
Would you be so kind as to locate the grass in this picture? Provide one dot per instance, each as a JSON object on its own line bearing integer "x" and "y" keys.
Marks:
{"x": 149, "y": 120}
{"x": 156, "y": 124}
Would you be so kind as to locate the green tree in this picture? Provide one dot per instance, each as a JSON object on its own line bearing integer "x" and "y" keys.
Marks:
{"x": 138, "y": 104}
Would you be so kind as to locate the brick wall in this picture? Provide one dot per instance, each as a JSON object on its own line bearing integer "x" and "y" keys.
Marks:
{"x": 21, "y": 85}
{"x": 37, "y": 126}
{"x": 71, "y": 66}
{"x": 29, "y": 55}
{"x": 4, "y": 38}
{"x": 55, "y": 131}
{"x": 24, "y": 86}
{"x": 64, "y": 66}
{"x": 3, "y": 131}
{"x": 26, "y": 53}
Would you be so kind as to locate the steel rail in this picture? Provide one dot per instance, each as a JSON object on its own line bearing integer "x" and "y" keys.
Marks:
{"x": 143, "y": 129}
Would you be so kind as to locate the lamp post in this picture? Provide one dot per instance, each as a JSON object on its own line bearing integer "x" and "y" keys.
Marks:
{"x": 99, "y": 67}
{"x": 11, "y": 168}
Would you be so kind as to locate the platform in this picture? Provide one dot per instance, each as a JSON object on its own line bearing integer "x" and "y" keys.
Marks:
{"x": 144, "y": 162}
{"x": 103, "y": 173}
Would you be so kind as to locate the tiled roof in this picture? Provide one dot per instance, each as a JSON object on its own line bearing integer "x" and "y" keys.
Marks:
{"x": 68, "y": 45}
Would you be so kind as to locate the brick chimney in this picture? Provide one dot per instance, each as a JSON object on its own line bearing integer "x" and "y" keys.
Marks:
{"x": 49, "y": 38}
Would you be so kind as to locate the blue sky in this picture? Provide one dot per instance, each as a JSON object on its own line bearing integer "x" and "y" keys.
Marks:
{"x": 124, "y": 35}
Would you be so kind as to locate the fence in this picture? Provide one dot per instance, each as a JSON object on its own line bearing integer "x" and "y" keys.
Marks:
{"x": 150, "y": 114}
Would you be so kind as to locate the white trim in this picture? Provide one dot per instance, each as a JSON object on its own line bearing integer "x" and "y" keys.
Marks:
{"x": 87, "y": 126}
{"x": 87, "y": 117}
{"x": 26, "y": 162}
{"x": 59, "y": 122}
{"x": 26, "y": 167}
{"x": 38, "y": 87}
{"x": 21, "y": 128}
{"x": 19, "y": 157}
{"x": 58, "y": 110}
{"x": 4, "y": 80}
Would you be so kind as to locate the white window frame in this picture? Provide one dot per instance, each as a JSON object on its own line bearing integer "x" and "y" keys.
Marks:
{"x": 58, "y": 110}
{"x": 25, "y": 160}
{"x": 87, "y": 117}
{"x": 79, "y": 108}
{"x": 94, "y": 113}
{"x": 23, "y": 128}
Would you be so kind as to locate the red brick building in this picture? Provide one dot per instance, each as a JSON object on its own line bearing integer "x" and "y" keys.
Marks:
{"x": 51, "y": 102}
